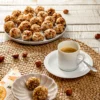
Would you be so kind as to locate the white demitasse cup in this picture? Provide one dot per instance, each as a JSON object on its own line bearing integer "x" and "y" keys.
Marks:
{"x": 69, "y": 61}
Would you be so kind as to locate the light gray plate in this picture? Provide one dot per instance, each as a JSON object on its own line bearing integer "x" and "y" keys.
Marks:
{"x": 19, "y": 40}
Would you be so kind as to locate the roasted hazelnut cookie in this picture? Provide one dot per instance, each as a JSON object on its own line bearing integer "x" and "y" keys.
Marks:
{"x": 50, "y": 18}
{"x": 32, "y": 83}
{"x": 28, "y": 16}
{"x": 46, "y": 25}
{"x": 59, "y": 28}
{"x": 35, "y": 28}
{"x": 7, "y": 18}
{"x": 40, "y": 93}
{"x": 13, "y": 18}
{"x": 36, "y": 20}
{"x": 50, "y": 11}
{"x": 56, "y": 15}
{"x": 28, "y": 9}
{"x": 50, "y": 33}
{"x": 16, "y": 13}
{"x": 15, "y": 33}
{"x": 20, "y": 19}
{"x": 24, "y": 17}
{"x": 61, "y": 20}
{"x": 42, "y": 14}
{"x": 26, "y": 35}
{"x": 8, "y": 26}
{"x": 25, "y": 25}
{"x": 38, "y": 36}
{"x": 38, "y": 9}
{"x": 10, "y": 18}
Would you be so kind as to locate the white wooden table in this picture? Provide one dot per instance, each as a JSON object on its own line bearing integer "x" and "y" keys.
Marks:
{"x": 83, "y": 20}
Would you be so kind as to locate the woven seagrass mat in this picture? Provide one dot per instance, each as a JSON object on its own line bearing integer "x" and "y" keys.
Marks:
{"x": 84, "y": 88}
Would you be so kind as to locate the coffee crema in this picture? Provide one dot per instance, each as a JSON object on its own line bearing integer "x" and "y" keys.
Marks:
{"x": 68, "y": 49}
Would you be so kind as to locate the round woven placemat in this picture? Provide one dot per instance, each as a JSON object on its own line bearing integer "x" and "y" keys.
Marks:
{"x": 84, "y": 88}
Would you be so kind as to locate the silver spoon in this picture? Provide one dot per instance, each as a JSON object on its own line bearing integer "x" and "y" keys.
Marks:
{"x": 90, "y": 67}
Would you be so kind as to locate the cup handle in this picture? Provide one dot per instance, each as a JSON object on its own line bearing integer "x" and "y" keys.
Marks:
{"x": 81, "y": 57}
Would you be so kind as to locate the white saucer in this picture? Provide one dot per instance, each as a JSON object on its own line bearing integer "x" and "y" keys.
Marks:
{"x": 51, "y": 64}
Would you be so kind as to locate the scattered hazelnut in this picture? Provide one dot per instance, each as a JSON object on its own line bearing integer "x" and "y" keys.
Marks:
{"x": 15, "y": 56}
{"x": 24, "y": 55}
{"x": 68, "y": 92}
{"x": 38, "y": 63}
{"x": 2, "y": 58}
{"x": 65, "y": 11}
{"x": 97, "y": 36}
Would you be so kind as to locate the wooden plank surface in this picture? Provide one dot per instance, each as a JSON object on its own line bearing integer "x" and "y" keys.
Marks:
{"x": 83, "y": 20}
{"x": 56, "y": 6}
{"x": 73, "y": 20}
{"x": 25, "y": 2}
{"x": 81, "y": 2}
{"x": 75, "y": 28}
{"x": 17, "y": 2}
{"x": 73, "y": 2}
{"x": 82, "y": 17}
{"x": 94, "y": 44}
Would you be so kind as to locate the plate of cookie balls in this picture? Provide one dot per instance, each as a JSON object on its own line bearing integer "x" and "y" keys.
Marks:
{"x": 34, "y": 26}
{"x": 35, "y": 87}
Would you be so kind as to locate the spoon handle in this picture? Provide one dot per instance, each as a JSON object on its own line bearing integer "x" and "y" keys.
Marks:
{"x": 90, "y": 67}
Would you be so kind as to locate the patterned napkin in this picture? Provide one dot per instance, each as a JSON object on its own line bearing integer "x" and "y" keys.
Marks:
{"x": 6, "y": 84}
